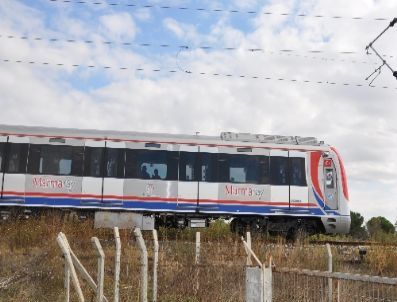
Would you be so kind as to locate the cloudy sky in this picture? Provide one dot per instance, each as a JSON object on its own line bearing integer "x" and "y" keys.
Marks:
{"x": 184, "y": 66}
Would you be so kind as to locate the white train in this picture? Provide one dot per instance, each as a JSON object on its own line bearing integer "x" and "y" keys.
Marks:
{"x": 266, "y": 182}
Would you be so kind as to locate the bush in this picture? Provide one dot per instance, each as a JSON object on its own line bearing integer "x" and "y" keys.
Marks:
{"x": 357, "y": 230}
{"x": 378, "y": 225}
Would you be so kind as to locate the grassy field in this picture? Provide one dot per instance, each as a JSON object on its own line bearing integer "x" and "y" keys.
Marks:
{"x": 31, "y": 266}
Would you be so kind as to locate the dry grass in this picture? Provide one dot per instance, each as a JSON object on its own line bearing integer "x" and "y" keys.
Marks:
{"x": 30, "y": 256}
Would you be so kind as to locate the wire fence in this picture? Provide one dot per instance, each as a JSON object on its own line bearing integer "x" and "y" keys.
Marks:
{"x": 216, "y": 271}
{"x": 296, "y": 286}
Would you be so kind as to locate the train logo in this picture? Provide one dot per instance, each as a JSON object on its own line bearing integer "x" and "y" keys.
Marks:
{"x": 149, "y": 191}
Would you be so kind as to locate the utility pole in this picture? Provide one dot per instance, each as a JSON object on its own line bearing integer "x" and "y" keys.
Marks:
{"x": 384, "y": 62}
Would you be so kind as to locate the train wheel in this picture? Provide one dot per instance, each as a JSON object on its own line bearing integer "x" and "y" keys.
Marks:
{"x": 297, "y": 234}
{"x": 238, "y": 226}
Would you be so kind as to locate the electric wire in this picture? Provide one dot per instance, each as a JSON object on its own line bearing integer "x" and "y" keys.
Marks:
{"x": 172, "y": 71}
{"x": 217, "y": 10}
{"x": 283, "y": 52}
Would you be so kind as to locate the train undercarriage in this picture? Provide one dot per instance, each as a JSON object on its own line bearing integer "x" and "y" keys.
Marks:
{"x": 287, "y": 226}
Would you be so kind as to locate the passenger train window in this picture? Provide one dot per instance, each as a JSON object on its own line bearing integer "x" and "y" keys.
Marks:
{"x": 114, "y": 163}
{"x": 77, "y": 161}
{"x": 264, "y": 166}
{"x": 2, "y": 147}
{"x": 208, "y": 167}
{"x": 130, "y": 164}
{"x": 249, "y": 169}
{"x": 17, "y": 156}
{"x": 187, "y": 166}
{"x": 55, "y": 160}
{"x": 223, "y": 173}
{"x": 238, "y": 174}
{"x": 297, "y": 171}
{"x": 152, "y": 164}
{"x": 172, "y": 165}
{"x": 279, "y": 170}
{"x": 238, "y": 168}
{"x": 93, "y": 162}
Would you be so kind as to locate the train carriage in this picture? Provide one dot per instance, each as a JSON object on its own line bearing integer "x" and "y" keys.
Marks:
{"x": 272, "y": 183}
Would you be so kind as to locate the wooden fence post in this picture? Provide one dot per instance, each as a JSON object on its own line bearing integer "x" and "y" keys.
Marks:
{"x": 330, "y": 270}
{"x": 117, "y": 264}
{"x": 144, "y": 264}
{"x": 66, "y": 252}
{"x": 155, "y": 264}
{"x": 101, "y": 268}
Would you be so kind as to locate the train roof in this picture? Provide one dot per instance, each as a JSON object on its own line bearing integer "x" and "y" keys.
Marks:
{"x": 226, "y": 139}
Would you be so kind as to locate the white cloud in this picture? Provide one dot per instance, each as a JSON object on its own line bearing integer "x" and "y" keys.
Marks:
{"x": 245, "y": 4}
{"x": 120, "y": 25}
{"x": 173, "y": 26}
{"x": 142, "y": 14}
{"x": 185, "y": 31}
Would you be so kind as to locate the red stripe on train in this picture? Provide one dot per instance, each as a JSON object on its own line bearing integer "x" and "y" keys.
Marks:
{"x": 144, "y": 198}
{"x": 188, "y": 143}
{"x": 314, "y": 164}
{"x": 343, "y": 172}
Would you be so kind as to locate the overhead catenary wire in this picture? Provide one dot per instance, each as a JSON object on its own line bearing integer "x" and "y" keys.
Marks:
{"x": 218, "y": 10}
{"x": 284, "y": 52}
{"x": 227, "y": 75}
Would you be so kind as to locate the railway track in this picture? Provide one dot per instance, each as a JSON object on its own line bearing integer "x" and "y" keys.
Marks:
{"x": 350, "y": 243}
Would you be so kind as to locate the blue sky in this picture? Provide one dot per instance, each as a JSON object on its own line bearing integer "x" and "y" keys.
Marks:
{"x": 285, "y": 98}
{"x": 146, "y": 27}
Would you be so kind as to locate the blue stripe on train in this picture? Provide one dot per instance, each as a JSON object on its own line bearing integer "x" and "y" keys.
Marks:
{"x": 159, "y": 206}
{"x": 325, "y": 206}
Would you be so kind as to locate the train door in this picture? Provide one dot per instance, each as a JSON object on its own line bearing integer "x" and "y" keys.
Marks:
{"x": 299, "y": 192}
{"x": 208, "y": 188}
{"x": 3, "y": 142}
{"x": 151, "y": 176}
{"x": 54, "y": 172}
{"x": 330, "y": 184}
{"x": 113, "y": 182}
{"x": 279, "y": 179}
{"x": 15, "y": 169}
{"x": 93, "y": 173}
{"x": 188, "y": 185}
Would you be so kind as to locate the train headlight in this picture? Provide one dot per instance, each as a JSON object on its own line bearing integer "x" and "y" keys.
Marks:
{"x": 325, "y": 154}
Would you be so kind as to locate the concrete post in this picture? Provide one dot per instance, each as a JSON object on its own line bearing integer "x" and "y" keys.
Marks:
{"x": 67, "y": 282}
{"x": 330, "y": 270}
{"x": 249, "y": 244}
{"x": 267, "y": 282}
{"x": 101, "y": 268}
{"x": 197, "y": 261}
{"x": 155, "y": 264}
{"x": 144, "y": 264}
{"x": 253, "y": 284}
{"x": 258, "y": 279}
{"x": 66, "y": 252}
{"x": 79, "y": 267}
{"x": 117, "y": 264}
